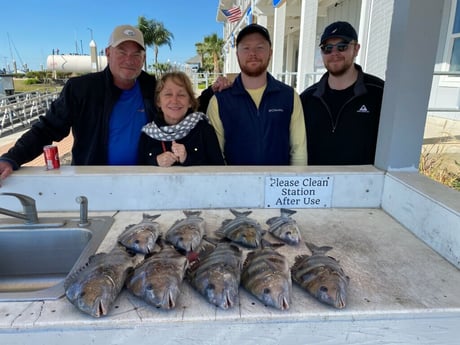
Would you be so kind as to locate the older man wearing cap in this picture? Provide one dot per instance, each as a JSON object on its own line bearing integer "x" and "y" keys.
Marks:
{"x": 258, "y": 120}
{"x": 105, "y": 110}
{"x": 342, "y": 110}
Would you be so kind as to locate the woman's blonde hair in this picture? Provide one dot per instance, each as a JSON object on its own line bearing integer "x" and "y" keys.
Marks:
{"x": 181, "y": 79}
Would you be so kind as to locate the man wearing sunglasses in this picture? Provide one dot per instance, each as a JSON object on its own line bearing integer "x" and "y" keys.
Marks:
{"x": 342, "y": 110}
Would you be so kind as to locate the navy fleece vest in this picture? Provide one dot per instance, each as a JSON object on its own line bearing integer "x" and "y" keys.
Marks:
{"x": 256, "y": 136}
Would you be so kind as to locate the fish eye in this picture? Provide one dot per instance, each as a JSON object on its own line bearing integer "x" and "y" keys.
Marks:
{"x": 211, "y": 287}
{"x": 136, "y": 241}
{"x": 82, "y": 294}
{"x": 323, "y": 289}
{"x": 266, "y": 291}
{"x": 149, "y": 287}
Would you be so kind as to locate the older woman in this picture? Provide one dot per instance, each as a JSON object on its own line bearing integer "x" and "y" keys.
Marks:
{"x": 180, "y": 136}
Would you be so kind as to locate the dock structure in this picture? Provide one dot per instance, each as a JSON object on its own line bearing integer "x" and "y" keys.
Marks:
{"x": 20, "y": 110}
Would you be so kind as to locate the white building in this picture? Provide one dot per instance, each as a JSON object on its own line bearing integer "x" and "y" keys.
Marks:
{"x": 296, "y": 27}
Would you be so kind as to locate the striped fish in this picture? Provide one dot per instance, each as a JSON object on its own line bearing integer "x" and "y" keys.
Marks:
{"x": 186, "y": 234}
{"x": 242, "y": 229}
{"x": 284, "y": 227}
{"x": 94, "y": 287}
{"x": 158, "y": 278}
{"x": 267, "y": 276}
{"x": 321, "y": 276}
{"x": 216, "y": 274}
{"x": 141, "y": 237}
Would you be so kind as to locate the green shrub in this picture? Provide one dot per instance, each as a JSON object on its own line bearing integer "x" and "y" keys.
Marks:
{"x": 31, "y": 81}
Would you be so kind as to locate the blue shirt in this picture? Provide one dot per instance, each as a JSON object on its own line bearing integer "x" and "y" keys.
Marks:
{"x": 126, "y": 121}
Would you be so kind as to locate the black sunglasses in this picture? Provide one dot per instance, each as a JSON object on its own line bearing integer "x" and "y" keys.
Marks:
{"x": 341, "y": 47}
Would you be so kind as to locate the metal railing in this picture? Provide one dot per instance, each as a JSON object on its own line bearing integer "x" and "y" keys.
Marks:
{"x": 23, "y": 108}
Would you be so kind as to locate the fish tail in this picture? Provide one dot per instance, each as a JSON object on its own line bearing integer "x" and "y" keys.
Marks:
{"x": 287, "y": 211}
{"x": 317, "y": 250}
{"x": 191, "y": 213}
{"x": 240, "y": 214}
{"x": 149, "y": 217}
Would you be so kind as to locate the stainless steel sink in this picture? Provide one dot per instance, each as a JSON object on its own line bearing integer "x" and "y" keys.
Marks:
{"x": 35, "y": 259}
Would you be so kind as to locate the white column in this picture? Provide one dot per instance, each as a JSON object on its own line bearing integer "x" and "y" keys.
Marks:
{"x": 290, "y": 55}
{"x": 414, "y": 38}
{"x": 278, "y": 40}
{"x": 307, "y": 42}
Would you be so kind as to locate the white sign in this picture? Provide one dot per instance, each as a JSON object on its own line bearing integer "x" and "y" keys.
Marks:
{"x": 298, "y": 192}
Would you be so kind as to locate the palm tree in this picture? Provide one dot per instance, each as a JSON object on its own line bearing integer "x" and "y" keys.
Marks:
{"x": 212, "y": 45}
{"x": 200, "y": 50}
{"x": 155, "y": 34}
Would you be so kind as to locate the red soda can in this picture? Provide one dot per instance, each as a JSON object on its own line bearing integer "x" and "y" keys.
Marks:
{"x": 51, "y": 157}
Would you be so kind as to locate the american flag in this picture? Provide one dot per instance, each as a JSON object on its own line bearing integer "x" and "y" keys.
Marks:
{"x": 233, "y": 14}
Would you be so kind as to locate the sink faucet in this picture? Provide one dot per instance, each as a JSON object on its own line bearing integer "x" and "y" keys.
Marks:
{"x": 83, "y": 201}
{"x": 28, "y": 204}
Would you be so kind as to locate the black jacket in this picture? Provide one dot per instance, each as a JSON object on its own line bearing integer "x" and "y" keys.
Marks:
{"x": 84, "y": 105}
{"x": 353, "y": 140}
{"x": 201, "y": 145}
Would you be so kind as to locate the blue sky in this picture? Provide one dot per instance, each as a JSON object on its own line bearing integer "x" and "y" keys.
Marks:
{"x": 31, "y": 29}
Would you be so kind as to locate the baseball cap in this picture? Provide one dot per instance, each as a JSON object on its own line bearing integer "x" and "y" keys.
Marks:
{"x": 339, "y": 30}
{"x": 252, "y": 29}
{"x": 125, "y": 33}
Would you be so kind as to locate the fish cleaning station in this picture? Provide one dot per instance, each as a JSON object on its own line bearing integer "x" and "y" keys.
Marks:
{"x": 395, "y": 233}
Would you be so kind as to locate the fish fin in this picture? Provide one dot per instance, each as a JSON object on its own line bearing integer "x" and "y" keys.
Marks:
{"x": 298, "y": 261}
{"x": 161, "y": 241}
{"x": 240, "y": 214}
{"x": 267, "y": 244}
{"x": 225, "y": 222}
{"x": 248, "y": 258}
{"x": 212, "y": 240}
{"x": 74, "y": 274}
{"x": 318, "y": 250}
{"x": 271, "y": 220}
{"x": 175, "y": 223}
{"x": 219, "y": 233}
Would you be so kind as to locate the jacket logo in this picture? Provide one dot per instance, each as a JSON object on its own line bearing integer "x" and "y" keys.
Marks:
{"x": 363, "y": 109}
{"x": 275, "y": 110}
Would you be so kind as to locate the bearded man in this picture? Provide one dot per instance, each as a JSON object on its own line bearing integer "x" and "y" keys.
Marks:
{"x": 342, "y": 110}
{"x": 258, "y": 120}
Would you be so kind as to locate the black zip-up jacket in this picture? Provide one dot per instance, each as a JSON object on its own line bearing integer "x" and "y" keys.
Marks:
{"x": 84, "y": 105}
{"x": 352, "y": 138}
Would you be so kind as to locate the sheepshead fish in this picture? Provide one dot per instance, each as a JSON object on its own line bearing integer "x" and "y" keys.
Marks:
{"x": 216, "y": 273}
{"x": 242, "y": 229}
{"x": 94, "y": 287}
{"x": 267, "y": 276}
{"x": 284, "y": 227}
{"x": 321, "y": 276}
{"x": 186, "y": 234}
{"x": 158, "y": 278}
{"x": 141, "y": 237}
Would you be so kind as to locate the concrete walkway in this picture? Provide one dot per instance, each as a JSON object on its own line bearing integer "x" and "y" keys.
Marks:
{"x": 64, "y": 148}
